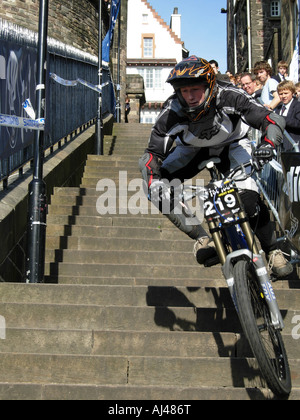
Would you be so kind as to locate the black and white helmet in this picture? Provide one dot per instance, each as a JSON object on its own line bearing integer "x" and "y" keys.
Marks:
{"x": 192, "y": 71}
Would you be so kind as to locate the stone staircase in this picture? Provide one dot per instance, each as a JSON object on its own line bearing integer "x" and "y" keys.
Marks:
{"x": 125, "y": 312}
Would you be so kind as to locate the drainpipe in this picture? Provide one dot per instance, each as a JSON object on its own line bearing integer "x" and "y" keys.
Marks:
{"x": 235, "y": 49}
{"x": 235, "y": 36}
{"x": 249, "y": 36}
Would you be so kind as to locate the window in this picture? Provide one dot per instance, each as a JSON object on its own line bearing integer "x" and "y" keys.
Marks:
{"x": 148, "y": 47}
{"x": 275, "y": 8}
{"x": 149, "y": 79}
{"x": 145, "y": 18}
{"x": 152, "y": 77}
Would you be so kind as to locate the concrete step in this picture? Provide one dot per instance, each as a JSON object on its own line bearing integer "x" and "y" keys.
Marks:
{"x": 134, "y": 371}
{"x": 114, "y": 244}
{"x": 124, "y": 343}
{"x": 132, "y": 316}
{"x": 130, "y": 220}
{"x": 147, "y": 395}
{"x": 132, "y": 343}
{"x": 149, "y": 272}
{"x": 129, "y": 295}
{"x": 129, "y": 257}
{"x": 122, "y": 318}
{"x": 120, "y": 232}
{"x": 203, "y": 281}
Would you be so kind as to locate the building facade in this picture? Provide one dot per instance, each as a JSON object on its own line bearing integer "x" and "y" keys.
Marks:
{"x": 153, "y": 48}
{"x": 260, "y": 30}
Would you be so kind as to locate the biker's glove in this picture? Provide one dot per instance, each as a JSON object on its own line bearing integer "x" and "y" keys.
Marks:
{"x": 272, "y": 129}
{"x": 263, "y": 154}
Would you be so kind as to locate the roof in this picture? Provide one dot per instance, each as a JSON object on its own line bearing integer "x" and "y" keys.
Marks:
{"x": 162, "y": 22}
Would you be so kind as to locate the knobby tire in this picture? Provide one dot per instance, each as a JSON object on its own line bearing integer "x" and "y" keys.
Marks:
{"x": 265, "y": 341}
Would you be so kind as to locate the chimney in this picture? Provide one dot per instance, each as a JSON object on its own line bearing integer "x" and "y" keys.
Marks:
{"x": 175, "y": 24}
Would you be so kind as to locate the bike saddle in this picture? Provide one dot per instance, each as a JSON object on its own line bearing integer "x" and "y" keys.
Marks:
{"x": 209, "y": 163}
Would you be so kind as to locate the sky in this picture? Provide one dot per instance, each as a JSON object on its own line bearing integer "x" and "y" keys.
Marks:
{"x": 203, "y": 26}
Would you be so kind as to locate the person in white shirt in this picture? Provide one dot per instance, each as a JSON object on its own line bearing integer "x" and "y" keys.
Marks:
{"x": 269, "y": 94}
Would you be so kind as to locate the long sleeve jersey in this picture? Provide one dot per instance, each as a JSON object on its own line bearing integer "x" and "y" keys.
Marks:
{"x": 227, "y": 121}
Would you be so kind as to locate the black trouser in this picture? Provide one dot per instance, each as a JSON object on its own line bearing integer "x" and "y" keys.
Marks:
{"x": 259, "y": 218}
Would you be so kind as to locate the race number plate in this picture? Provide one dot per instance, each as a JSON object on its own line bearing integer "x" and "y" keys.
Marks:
{"x": 222, "y": 201}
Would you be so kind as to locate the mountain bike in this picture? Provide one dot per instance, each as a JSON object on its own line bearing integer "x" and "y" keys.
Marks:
{"x": 245, "y": 272}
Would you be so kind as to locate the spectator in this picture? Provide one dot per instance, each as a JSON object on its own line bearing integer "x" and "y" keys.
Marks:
{"x": 282, "y": 72}
{"x": 237, "y": 77}
{"x": 269, "y": 95}
{"x": 219, "y": 76}
{"x": 127, "y": 109}
{"x": 215, "y": 66}
{"x": 289, "y": 108}
{"x": 248, "y": 83}
{"x": 297, "y": 86}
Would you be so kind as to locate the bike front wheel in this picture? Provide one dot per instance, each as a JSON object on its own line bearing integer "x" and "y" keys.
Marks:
{"x": 264, "y": 339}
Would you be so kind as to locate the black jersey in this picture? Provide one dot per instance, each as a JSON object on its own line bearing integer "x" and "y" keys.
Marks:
{"x": 227, "y": 121}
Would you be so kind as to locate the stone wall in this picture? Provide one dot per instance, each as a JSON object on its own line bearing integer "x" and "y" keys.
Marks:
{"x": 265, "y": 33}
{"x": 136, "y": 94}
{"x": 73, "y": 22}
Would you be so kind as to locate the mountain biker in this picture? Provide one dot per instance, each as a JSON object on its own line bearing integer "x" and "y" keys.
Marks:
{"x": 207, "y": 118}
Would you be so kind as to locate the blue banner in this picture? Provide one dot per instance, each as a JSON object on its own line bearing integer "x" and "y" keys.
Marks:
{"x": 107, "y": 42}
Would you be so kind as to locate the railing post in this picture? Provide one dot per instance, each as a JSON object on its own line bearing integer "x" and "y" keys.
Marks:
{"x": 118, "y": 107}
{"x": 36, "y": 227}
{"x": 99, "y": 123}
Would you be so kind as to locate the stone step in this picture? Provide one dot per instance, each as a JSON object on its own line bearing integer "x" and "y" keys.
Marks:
{"x": 129, "y": 295}
{"x": 133, "y": 315}
{"x": 150, "y": 271}
{"x": 203, "y": 281}
{"x": 128, "y": 257}
{"x": 125, "y": 343}
{"x": 98, "y": 159}
{"x": 122, "y": 318}
{"x": 104, "y": 207}
{"x": 135, "y": 318}
{"x": 147, "y": 395}
{"x": 114, "y": 244}
{"x": 132, "y": 343}
{"x": 130, "y": 220}
{"x": 139, "y": 371}
{"x": 120, "y": 232}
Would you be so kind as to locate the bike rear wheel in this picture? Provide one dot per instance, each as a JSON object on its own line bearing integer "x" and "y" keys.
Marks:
{"x": 265, "y": 341}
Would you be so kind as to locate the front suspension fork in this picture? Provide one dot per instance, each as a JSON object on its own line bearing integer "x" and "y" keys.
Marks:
{"x": 252, "y": 254}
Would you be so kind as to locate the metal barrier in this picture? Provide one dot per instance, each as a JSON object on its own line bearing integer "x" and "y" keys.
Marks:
{"x": 67, "y": 109}
{"x": 276, "y": 189}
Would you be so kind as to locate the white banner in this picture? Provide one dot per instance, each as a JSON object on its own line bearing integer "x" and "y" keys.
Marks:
{"x": 20, "y": 122}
